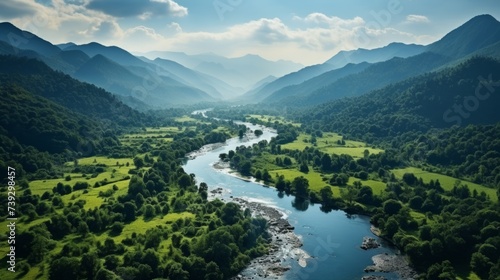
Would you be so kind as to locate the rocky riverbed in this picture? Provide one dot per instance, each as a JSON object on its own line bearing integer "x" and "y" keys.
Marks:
{"x": 284, "y": 247}
{"x": 392, "y": 263}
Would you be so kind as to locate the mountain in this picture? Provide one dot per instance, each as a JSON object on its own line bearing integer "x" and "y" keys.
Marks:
{"x": 50, "y": 117}
{"x": 25, "y": 40}
{"x": 37, "y": 78}
{"x": 141, "y": 83}
{"x": 436, "y": 100}
{"x": 111, "y": 68}
{"x": 477, "y": 33}
{"x": 264, "y": 81}
{"x": 452, "y": 49}
{"x": 338, "y": 61}
{"x": 66, "y": 45}
{"x": 316, "y": 83}
{"x": 286, "y": 80}
{"x": 114, "y": 53}
{"x": 373, "y": 77}
{"x": 239, "y": 72}
{"x": 375, "y": 55}
{"x": 211, "y": 85}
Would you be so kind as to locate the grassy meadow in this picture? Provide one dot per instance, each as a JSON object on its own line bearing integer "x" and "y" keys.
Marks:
{"x": 446, "y": 182}
{"x": 328, "y": 143}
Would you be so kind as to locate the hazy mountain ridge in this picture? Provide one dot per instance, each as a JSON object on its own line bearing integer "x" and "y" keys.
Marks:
{"x": 453, "y": 48}
{"x": 375, "y": 55}
{"x": 416, "y": 104}
{"x": 37, "y": 78}
{"x": 339, "y": 60}
{"x": 241, "y": 72}
{"x": 81, "y": 62}
{"x": 316, "y": 83}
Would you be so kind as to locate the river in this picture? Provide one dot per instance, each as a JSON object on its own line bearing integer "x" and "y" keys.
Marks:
{"x": 331, "y": 239}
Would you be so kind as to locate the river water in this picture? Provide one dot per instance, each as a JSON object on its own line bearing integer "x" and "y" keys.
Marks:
{"x": 331, "y": 239}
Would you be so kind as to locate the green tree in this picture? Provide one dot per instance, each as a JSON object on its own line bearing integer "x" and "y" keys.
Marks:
{"x": 90, "y": 265}
{"x": 301, "y": 187}
{"x": 64, "y": 268}
{"x": 326, "y": 194}
{"x": 392, "y": 207}
{"x": 138, "y": 162}
{"x": 185, "y": 181}
{"x": 231, "y": 213}
{"x": 129, "y": 211}
{"x": 105, "y": 274}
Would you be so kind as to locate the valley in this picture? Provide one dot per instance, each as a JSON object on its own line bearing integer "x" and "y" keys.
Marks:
{"x": 121, "y": 171}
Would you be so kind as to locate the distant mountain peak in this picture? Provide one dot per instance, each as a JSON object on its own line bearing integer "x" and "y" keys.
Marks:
{"x": 479, "y": 32}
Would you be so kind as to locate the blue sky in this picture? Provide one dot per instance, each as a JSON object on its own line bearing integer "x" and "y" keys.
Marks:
{"x": 307, "y": 31}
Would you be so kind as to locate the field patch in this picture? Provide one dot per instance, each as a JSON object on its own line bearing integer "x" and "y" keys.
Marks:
{"x": 446, "y": 182}
{"x": 272, "y": 119}
{"x": 315, "y": 179}
{"x": 376, "y": 186}
{"x": 328, "y": 143}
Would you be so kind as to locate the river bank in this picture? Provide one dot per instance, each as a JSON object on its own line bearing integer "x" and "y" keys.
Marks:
{"x": 284, "y": 244}
{"x": 332, "y": 238}
{"x": 382, "y": 263}
{"x": 398, "y": 264}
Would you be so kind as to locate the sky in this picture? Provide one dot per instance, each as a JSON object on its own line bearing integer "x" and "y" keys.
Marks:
{"x": 306, "y": 31}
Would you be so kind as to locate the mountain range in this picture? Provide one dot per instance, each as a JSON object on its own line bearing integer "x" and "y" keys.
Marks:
{"x": 241, "y": 72}
{"x": 338, "y": 77}
{"x": 163, "y": 78}
{"x": 137, "y": 80}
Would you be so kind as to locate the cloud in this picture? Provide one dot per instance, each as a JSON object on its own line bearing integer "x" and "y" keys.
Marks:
{"x": 12, "y": 10}
{"x": 333, "y": 21}
{"x": 417, "y": 19}
{"x": 312, "y": 39}
{"x": 138, "y": 8}
{"x": 174, "y": 27}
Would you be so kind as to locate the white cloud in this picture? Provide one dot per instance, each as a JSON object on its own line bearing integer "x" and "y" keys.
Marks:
{"x": 138, "y": 8}
{"x": 174, "y": 27}
{"x": 417, "y": 19}
{"x": 311, "y": 39}
{"x": 317, "y": 38}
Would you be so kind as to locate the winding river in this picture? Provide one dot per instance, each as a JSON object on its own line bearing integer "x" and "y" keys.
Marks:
{"x": 331, "y": 239}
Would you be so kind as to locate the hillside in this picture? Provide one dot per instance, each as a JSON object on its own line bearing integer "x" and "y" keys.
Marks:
{"x": 477, "y": 33}
{"x": 338, "y": 61}
{"x": 374, "y": 77}
{"x": 416, "y": 104}
{"x": 36, "y": 77}
{"x": 316, "y": 83}
{"x": 461, "y": 43}
{"x": 111, "y": 68}
{"x": 240, "y": 72}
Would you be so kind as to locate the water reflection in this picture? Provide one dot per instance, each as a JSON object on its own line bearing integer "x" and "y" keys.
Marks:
{"x": 300, "y": 204}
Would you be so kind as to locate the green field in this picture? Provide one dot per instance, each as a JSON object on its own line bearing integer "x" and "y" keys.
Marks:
{"x": 328, "y": 143}
{"x": 446, "y": 182}
{"x": 315, "y": 178}
{"x": 184, "y": 119}
{"x": 272, "y": 119}
{"x": 376, "y": 186}
{"x": 140, "y": 226}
